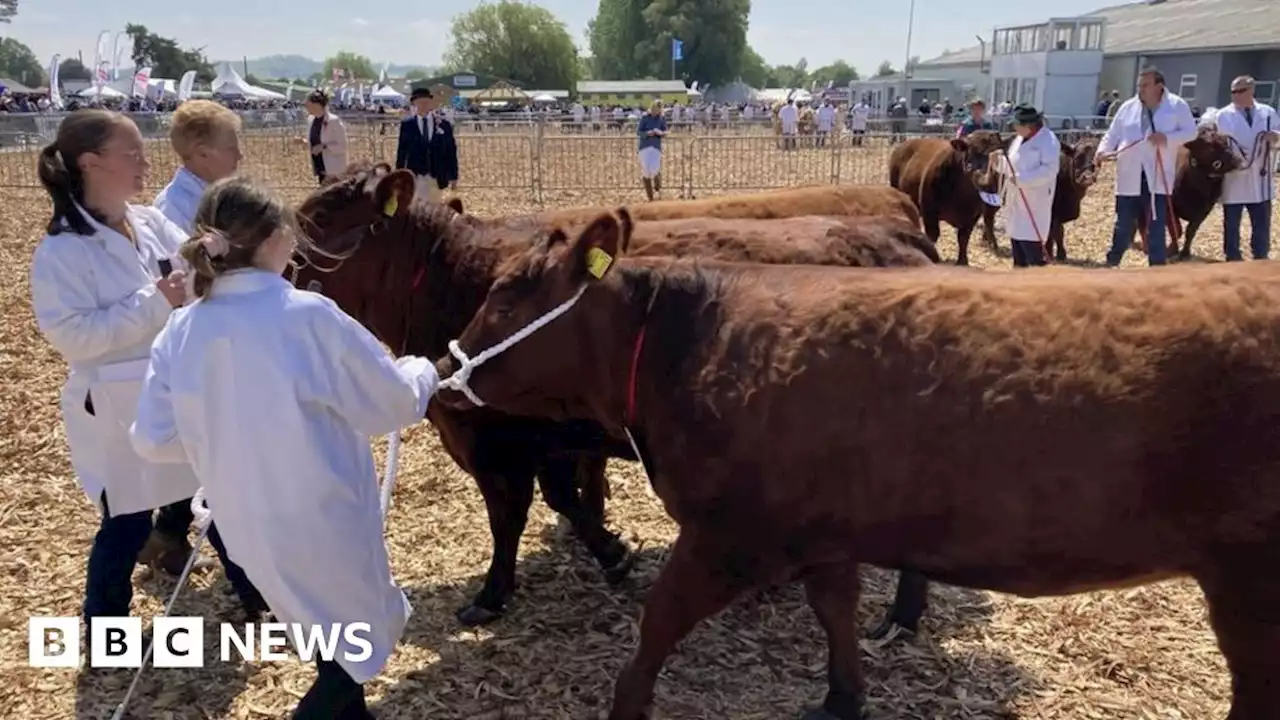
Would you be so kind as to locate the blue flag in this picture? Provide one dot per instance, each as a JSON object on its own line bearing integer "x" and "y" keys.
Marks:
{"x": 677, "y": 49}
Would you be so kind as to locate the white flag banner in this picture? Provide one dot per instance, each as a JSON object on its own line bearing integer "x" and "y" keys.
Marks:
{"x": 55, "y": 95}
{"x": 185, "y": 84}
{"x": 100, "y": 56}
{"x": 141, "y": 79}
{"x": 117, "y": 54}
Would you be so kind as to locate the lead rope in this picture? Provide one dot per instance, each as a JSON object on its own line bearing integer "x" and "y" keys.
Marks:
{"x": 203, "y": 521}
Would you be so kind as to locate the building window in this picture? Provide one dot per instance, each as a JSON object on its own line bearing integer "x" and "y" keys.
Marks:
{"x": 1265, "y": 91}
{"x": 1027, "y": 92}
{"x": 1187, "y": 87}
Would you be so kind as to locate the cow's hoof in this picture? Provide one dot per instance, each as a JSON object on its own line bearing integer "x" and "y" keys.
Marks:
{"x": 475, "y": 616}
{"x": 1061, "y": 256}
{"x": 621, "y": 569}
{"x": 962, "y": 262}
{"x": 888, "y": 627}
{"x": 1184, "y": 255}
{"x": 818, "y": 713}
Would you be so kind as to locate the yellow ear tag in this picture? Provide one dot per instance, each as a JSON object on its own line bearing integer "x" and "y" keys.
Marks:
{"x": 390, "y": 208}
{"x": 598, "y": 262}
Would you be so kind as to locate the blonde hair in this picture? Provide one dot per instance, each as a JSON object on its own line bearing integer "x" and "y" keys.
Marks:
{"x": 236, "y": 216}
{"x": 199, "y": 122}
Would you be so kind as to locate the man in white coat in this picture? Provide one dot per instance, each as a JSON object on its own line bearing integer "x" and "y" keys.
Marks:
{"x": 1143, "y": 140}
{"x": 1030, "y": 173}
{"x": 858, "y": 116}
{"x": 1256, "y": 129}
{"x": 789, "y": 119}
{"x": 826, "y": 121}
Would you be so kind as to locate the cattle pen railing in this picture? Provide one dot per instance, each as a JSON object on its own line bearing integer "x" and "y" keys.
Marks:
{"x": 542, "y": 162}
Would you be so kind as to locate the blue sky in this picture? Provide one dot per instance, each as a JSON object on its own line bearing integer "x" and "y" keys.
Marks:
{"x": 862, "y": 32}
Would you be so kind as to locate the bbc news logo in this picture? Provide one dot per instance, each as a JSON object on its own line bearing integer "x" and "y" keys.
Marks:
{"x": 179, "y": 642}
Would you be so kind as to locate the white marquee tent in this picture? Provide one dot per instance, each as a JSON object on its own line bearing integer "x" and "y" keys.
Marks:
{"x": 229, "y": 82}
{"x": 386, "y": 93}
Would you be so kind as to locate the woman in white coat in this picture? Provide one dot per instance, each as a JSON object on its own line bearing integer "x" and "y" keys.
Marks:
{"x": 1256, "y": 129}
{"x": 1030, "y": 173}
{"x": 326, "y": 137}
{"x": 100, "y": 294}
{"x": 273, "y": 393}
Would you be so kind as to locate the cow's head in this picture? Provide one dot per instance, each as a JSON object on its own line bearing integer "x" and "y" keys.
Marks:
{"x": 1212, "y": 154}
{"x": 1080, "y": 161}
{"x": 975, "y": 153}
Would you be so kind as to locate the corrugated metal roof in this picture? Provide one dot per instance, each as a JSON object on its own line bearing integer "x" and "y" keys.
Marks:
{"x": 1172, "y": 26}
{"x": 615, "y": 87}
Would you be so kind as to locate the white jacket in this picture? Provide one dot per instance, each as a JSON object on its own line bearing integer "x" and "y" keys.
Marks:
{"x": 96, "y": 302}
{"x": 272, "y": 393}
{"x": 1254, "y": 183}
{"x": 333, "y": 135}
{"x": 789, "y": 118}
{"x": 826, "y": 118}
{"x": 1035, "y": 172}
{"x": 1173, "y": 118}
{"x": 180, "y": 199}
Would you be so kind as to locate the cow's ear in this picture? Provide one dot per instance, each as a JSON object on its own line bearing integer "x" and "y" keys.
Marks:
{"x": 1070, "y": 150}
{"x": 628, "y": 226}
{"x": 456, "y": 204}
{"x": 960, "y": 145}
{"x": 597, "y": 248}
{"x": 394, "y": 192}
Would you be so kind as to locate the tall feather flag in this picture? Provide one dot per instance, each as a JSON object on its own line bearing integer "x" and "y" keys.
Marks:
{"x": 288, "y": 91}
{"x": 100, "y": 58}
{"x": 55, "y": 95}
{"x": 117, "y": 55}
{"x": 141, "y": 80}
{"x": 185, "y": 84}
{"x": 382, "y": 76}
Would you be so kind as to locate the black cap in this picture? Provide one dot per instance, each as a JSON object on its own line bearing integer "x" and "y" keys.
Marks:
{"x": 1026, "y": 114}
{"x": 419, "y": 93}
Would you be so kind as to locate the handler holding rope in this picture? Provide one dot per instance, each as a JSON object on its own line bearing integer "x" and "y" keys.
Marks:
{"x": 1030, "y": 173}
{"x": 1253, "y": 126}
{"x": 273, "y": 393}
{"x": 1144, "y": 139}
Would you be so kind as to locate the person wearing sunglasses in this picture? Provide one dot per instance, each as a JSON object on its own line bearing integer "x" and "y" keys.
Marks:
{"x": 1255, "y": 129}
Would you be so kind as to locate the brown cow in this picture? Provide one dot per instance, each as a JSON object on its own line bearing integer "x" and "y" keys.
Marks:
{"x": 942, "y": 178}
{"x": 768, "y": 404}
{"x": 1197, "y": 187}
{"x": 1076, "y": 174}
{"x": 416, "y": 278}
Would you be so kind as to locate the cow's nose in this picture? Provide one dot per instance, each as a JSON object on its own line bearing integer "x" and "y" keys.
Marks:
{"x": 1217, "y": 164}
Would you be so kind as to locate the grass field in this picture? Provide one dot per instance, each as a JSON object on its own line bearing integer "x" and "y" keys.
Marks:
{"x": 1143, "y": 654}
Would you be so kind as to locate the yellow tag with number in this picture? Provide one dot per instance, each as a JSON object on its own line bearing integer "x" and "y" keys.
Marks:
{"x": 598, "y": 262}
{"x": 390, "y": 208}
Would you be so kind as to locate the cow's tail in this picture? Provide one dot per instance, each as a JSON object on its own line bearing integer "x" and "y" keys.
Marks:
{"x": 928, "y": 175}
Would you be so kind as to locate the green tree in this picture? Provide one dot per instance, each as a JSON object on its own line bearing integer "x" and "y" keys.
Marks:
{"x": 838, "y": 73}
{"x": 714, "y": 34}
{"x": 17, "y": 62}
{"x": 73, "y": 69}
{"x": 8, "y": 9}
{"x": 165, "y": 57}
{"x": 511, "y": 39}
{"x": 790, "y": 76}
{"x": 885, "y": 69}
{"x": 354, "y": 65}
{"x": 614, "y": 36}
{"x": 753, "y": 70}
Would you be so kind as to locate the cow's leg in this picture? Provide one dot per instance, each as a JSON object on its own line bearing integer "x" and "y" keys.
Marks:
{"x": 559, "y": 482}
{"x": 1056, "y": 240}
{"x": 693, "y": 584}
{"x": 831, "y": 590}
{"x": 932, "y": 226}
{"x": 1242, "y": 603}
{"x": 962, "y": 242}
{"x": 507, "y": 497}
{"x": 1193, "y": 227}
{"x": 909, "y": 605}
{"x": 989, "y": 226}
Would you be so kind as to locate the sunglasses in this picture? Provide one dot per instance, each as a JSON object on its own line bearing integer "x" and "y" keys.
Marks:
{"x": 1238, "y": 91}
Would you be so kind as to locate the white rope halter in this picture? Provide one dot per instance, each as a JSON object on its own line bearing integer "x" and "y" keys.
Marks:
{"x": 459, "y": 380}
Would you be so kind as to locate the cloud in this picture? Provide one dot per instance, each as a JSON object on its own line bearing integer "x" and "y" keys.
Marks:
{"x": 359, "y": 22}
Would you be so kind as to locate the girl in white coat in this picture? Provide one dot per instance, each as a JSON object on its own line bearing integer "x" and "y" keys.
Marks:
{"x": 272, "y": 394}
{"x": 100, "y": 296}
{"x": 1031, "y": 178}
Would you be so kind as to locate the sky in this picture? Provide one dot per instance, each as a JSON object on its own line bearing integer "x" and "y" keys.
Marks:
{"x": 861, "y": 32}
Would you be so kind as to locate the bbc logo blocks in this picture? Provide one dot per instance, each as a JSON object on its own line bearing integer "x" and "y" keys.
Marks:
{"x": 116, "y": 642}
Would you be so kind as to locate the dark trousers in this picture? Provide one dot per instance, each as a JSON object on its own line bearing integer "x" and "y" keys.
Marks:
{"x": 1260, "y": 225}
{"x": 333, "y": 696}
{"x": 175, "y": 520}
{"x": 109, "y": 581}
{"x": 1129, "y": 210}
{"x": 1027, "y": 253}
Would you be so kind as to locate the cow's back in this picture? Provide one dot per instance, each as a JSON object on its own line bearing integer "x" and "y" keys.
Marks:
{"x": 929, "y": 172}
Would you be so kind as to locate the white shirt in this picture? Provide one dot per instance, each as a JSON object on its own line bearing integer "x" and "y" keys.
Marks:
{"x": 180, "y": 199}
{"x": 272, "y": 394}
{"x": 1252, "y": 184}
{"x": 789, "y": 116}
{"x": 1035, "y": 164}
{"x": 860, "y": 113}
{"x": 96, "y": 302}
{"x": 1173, "y": 118}
{"x": 826, "y": 118}
{"x": 427, "y": 125}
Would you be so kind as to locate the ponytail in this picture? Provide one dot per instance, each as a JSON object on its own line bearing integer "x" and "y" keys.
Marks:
{"x": 235, "y": 217}
{"x": 65, "y": 190}
{"x": 204, "y": 267}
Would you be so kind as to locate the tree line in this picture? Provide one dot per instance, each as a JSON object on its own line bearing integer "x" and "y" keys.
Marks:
{"x": 627, "y": 40}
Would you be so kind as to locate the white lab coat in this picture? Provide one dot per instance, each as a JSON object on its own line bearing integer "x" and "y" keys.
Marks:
{"x": 789, "y": 118}
{"x": 860, "y": 113}
{"x": 826, "y": 118}
{"x": 180, "y": 199}
{"x": 1035, "y": 164}
{"x": 96, "y": 302}
{"x": 272, "y": 393}
{"x": 1253, "y": 184}
{"x": 1173, "y": 118}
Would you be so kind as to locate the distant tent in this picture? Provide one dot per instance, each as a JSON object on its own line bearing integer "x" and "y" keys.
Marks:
{"x": 15, "y": 87}
{"x": 107, "y": 92}
{"x": 501, "y": 91}
{"x": 386, "y": 93}
{"x": 228, "y": 82}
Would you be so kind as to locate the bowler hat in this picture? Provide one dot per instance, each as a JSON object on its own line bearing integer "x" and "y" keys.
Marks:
{"x": 1026, "y": 114}
{"x": 419, "y": 93}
